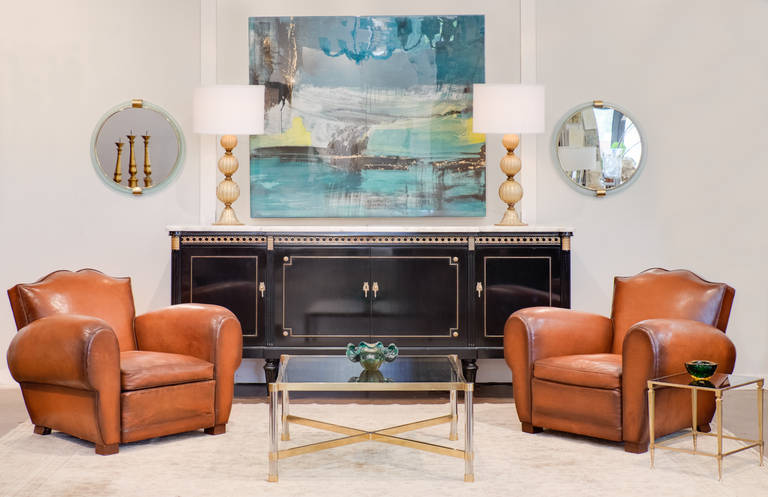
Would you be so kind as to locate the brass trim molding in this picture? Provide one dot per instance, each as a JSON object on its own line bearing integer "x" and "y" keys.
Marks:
{"x": 517, "y": 240}
{"x": 370, "y": 240}
{"x": 222, "y": 240}
{"x": 175, "y": 242}
{"x": 566, "y": 244}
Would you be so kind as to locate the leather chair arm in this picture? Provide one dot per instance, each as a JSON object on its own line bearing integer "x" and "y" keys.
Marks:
{"x": 660, "y": 347}
{"x": 208, "y": 332}
{"x": 538, "y": 332}
{"x": 67, "y": 350}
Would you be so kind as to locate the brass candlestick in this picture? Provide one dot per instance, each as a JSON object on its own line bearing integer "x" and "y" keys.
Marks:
{"x": 132, "y": 180}
{"x": 118, "y": 176}
{"x": 147, "y": 165}
{"x": 228, "y": 191}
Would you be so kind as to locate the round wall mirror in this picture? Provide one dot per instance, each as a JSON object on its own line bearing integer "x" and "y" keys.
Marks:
{"x": 137, "y": 147}
{"x": 599, "y": 147}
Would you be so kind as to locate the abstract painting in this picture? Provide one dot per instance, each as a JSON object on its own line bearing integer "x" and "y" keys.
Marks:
{"x": 367, "y": 116}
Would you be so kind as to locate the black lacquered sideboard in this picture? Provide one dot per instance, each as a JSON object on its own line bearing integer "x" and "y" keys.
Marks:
{"x": 312, "y": 290}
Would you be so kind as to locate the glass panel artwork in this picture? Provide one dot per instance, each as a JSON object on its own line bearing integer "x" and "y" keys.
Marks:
{"x": 367, "y": 116}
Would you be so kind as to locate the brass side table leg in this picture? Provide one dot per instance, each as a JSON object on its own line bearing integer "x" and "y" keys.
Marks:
{"x": 454, "y": 417}
{"x": 469, "y": 453}
{"x": 273, "y": 455}
{"x": 286, "y": 435}
{"x": 651, "y": 421}
{"x": 719, "y": 410}
{"x": 694, "y": 416}
{"x": 760, "y": 419}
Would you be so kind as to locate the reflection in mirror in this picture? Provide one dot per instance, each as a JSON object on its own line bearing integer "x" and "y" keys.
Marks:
{"x": 137, "y": 147}
{"x": 599, "y": 148}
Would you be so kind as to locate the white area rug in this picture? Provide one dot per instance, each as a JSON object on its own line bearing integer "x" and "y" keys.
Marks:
{"x": 508, "y": 462}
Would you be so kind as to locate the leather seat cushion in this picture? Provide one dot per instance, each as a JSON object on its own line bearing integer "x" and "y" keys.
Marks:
{"x": 586, "y": 370}
{"x": 143, "y": 369}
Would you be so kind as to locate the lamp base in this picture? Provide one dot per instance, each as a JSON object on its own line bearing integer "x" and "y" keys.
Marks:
{"x": 228, "y": 191}
{"x": 511, "y": 218}
{"x": 228, "y": 217}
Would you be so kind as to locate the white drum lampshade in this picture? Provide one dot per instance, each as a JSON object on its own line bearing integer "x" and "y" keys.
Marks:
{"x": 508, "y": 109}
{"x": 228, "y": 110}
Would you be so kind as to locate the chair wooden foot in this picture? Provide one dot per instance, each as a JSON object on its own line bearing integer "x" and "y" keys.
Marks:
{"x": 216, "y": 430}
{"x": 107, "y": 449}
{"x": 42, "y": 430}
{"x": 529, "y": 428}
{"x": 636, "y": 447}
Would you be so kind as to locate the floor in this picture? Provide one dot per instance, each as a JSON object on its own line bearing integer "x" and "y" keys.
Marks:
{"x": 738, "y": 418}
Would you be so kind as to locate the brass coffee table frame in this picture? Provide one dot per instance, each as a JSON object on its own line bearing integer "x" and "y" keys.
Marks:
{"x": 385, "y": 435}
{"x": 719, "y": 455}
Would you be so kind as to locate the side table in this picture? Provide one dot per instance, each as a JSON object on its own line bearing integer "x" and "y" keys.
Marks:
{"x": 719, "y": 383}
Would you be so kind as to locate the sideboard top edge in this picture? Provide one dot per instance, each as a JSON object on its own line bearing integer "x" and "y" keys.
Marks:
{"x": 370, "y": 230}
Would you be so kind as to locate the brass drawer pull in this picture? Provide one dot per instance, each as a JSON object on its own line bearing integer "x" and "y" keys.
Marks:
{"x": 366, "y": 288}
{"x": 375, "y": 288}
{"x": 479, "y": 289}
{"x": 262, "y": 288}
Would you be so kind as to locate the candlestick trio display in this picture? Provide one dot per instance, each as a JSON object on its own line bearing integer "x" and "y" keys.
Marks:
{"x": 133, "y": 181}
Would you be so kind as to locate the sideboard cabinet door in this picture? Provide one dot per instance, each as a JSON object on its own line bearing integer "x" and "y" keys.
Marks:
{"x": 319, "y": 296}
{"x": 232, "y": 277}
{"x": 419, "y": 297}
{"x": 509, "y": 279}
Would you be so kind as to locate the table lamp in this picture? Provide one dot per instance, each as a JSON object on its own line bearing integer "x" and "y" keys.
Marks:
{"x": 228, "y": 110}
{"x": 507, "y": 109}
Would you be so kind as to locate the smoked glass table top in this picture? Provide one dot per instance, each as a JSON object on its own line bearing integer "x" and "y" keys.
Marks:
{"x": 402, "y": 373}
{"x": 717, "y": 382}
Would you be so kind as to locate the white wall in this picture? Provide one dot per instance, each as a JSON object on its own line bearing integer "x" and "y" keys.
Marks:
{"x": 62, "y": 65}
{"x": 693, "y": 74}
{"x": 690, "y": 72}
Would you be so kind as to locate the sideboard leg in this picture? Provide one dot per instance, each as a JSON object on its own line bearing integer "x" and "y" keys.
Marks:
{"x": 469, "y": 368}
{"x": 270, "y": 369}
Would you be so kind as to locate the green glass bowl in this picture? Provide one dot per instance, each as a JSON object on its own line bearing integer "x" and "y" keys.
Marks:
{"x": 371, "y": 355}
{"x": 701, "y": 370}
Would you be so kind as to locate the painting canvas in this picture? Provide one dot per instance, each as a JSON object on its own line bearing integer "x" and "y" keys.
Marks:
{"x": 367, "y": 116}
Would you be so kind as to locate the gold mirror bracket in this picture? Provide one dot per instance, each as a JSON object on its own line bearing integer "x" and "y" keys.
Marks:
{"x": 597, "y": 103}
{"x": 137, "y": 103}
{"x": 600, "y": 193}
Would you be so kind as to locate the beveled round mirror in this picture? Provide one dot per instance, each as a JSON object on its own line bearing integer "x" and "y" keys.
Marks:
{"x": 599, "y": 147}
{"x": 137, "y": 147}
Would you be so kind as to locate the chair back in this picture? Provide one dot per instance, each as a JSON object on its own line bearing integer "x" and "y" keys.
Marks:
{"x": 87, "y": 292}
{"x": 659, "y": 293}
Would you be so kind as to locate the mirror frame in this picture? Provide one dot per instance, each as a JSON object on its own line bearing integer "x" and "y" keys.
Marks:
{"x": 556, "y": 158}
{"x": 180, "y": 143}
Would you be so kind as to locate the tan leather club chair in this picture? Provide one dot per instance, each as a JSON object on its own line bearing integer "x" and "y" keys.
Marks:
{"x": 586, "y": 374}
{"x": 89, "y": 367}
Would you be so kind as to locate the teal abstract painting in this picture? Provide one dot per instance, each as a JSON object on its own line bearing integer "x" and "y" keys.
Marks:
{"x": 367, "y": 116}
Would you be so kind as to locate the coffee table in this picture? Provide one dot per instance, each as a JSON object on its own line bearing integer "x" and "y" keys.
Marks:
{"x": 339, "y": 374}
{"x": 719, "y": 383}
